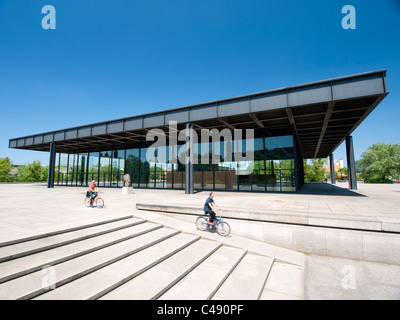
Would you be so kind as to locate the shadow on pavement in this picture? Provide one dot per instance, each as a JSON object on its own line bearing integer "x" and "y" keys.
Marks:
{"x": 327, "y": 189}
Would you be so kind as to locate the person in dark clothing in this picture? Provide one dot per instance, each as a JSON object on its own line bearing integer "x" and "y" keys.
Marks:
{"x": 209, "y": 207}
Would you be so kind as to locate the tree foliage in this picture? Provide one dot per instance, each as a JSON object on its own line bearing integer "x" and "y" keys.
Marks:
{"x": 5, "y": 170}
{"x": 32, "y": 172}
{"x": 380, "y": 162}
{"x": 315, "y": 171}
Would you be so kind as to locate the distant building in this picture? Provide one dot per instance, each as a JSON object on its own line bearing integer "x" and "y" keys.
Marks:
{"x": 339, "y": 164}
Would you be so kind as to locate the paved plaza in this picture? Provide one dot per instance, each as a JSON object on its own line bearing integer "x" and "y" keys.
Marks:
{"x": 29, "y": 209}
{"x": 379, "y": 202}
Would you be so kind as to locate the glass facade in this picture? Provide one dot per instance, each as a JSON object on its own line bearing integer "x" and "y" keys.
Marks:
{"x": 272, "y": 170}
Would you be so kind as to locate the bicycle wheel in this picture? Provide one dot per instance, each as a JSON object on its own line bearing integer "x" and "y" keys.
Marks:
{"x": 201, "y": 223}
{"x": 223, "y": 229}
{"x": 99, "y": 203}
{"x": 87, "y": 202}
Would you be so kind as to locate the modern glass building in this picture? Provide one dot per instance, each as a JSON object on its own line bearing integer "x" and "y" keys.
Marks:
{"x": 273, "y": 168}
{"x": 289, "y": 125}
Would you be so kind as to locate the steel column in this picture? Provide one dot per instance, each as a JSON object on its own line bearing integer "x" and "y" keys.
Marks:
{"x": 351, "y": 167}
{"x": 52, "y": 164}
{"x": 332, "y": 163}
{"x": 189, "y": 183}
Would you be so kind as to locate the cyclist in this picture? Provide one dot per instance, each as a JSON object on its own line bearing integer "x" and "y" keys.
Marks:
{"x": 92, "y": 192}
{"x": 209, "y": 208}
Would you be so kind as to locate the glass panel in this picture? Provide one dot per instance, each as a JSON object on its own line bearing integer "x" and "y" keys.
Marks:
{"x": 160, "y": 175}
{"x": 179, "y": 169}
{"x": 63, "y": 169}
{"x": 244, "y": 182}
{"x": 279, "y": 148}
{"x": 273, "y": 178}
{"x": 221, "y": 170}
{"x": 133, "y": 165}
{"x": 93, "y": 173}
{"x": 208, "y": 180}
{"x": 177, "y": 177}
{"x": 181, "y": 156}
{"x": 105, "y": 168}
{"x": 72, "y": 169}
{"x": 197, "y": 169}
{"x": 82, "y": 165}
{"x": 287, "y": 172}
{"x": 219, "y": 180}
{"x": 161, "y": 168}
{"x": 57, "y": 164}
{"x": 258, "y": 176}
{"x": 203, "y": 171}
{"x": 169, "y": 175}
{"x": 279, "y": 155}
{"x": 145, "y": 168}
{"x": 118, "y": 166}
{"x": 231, "y": 176}
{"x": 229, "y": 166}
{"x": 198, "y": 180}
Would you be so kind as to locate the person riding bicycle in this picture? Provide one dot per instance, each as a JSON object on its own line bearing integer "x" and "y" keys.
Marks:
{"x": 92, "y": 192}
{"x": 209, "y": 208}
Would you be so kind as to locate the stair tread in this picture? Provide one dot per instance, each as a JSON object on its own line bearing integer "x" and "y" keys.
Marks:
{"x": 109, "y": 277}
{"x": 155, "y": 281}
{"x": 29, "y": 247}
{"x": 37, "y": 233}
{"x": 20, "y": 266}
{"x": 207, "y": 277}
{"x": 248, "y": 279}
{"x": 284, "y": 281}
{"x": 31, "y": 284}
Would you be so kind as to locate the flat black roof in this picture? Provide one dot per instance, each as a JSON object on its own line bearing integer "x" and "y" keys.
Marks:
{"x": 320, "y": 113}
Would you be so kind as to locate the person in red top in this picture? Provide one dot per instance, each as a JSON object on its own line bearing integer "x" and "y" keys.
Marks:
{"x": 92, "y": 192}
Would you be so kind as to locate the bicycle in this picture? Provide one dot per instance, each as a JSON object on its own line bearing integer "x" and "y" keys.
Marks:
{"x": 97, "y": 201}
{"x": 222, "y": 227}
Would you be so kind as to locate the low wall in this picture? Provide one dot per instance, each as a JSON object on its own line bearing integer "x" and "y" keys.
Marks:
{"x": 374, "y": 246}
{"x": 368, "y": 223}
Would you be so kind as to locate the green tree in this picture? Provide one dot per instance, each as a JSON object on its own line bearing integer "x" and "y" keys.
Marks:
{"x": 315, "y": 171}
{"x": 5, "y": 170}
{"x": 380, "y": 162}
{"x": 32, "y": 172}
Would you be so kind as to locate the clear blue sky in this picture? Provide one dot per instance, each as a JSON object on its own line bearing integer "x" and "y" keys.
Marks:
{"x": 113, "y": 59}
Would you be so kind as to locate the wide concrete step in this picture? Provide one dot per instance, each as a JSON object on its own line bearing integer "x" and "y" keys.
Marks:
{"x": 37, "y": 233}
{"x": 27, "y": 264}
{"x": 152, "y": 283}
{"x": 285, "y": 282}
{"x": 247, "y": 280}
{"x": 205, "y": 280}
{"x": 102, "y": 281}
{"x": 137, "y": 259}
{"x": 39, "y": 282}
{"x": 25, "y": 248}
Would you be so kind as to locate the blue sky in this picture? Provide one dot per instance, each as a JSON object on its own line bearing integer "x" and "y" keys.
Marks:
{"x": 111, "y": 59}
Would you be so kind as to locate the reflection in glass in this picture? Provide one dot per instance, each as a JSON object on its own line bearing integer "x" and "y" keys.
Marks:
{"x": 118, "y": 167}
{"x": 271, "y": 169}
{"x": 63, "y": 169}
{"x": 93, "y": 172}
{"x": 133, "y": 165}
{"x": 82, "y": 166}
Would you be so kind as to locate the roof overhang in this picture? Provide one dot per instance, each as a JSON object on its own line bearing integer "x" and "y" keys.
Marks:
{"x": 321, "y": 114}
